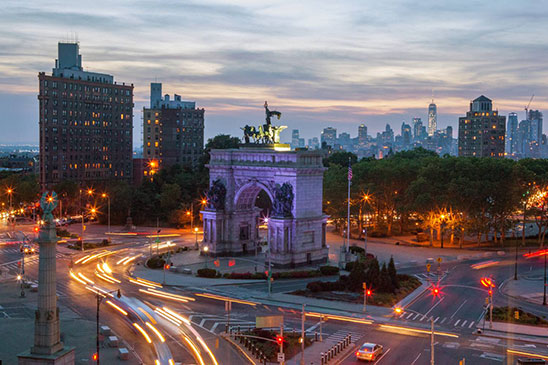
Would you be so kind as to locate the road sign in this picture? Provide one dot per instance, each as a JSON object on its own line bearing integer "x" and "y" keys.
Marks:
{"x": 438, "y": 260}
{"x": 269, "y": 321}
{"x": 428, "y": 266}
{"x": 281, "y": 357}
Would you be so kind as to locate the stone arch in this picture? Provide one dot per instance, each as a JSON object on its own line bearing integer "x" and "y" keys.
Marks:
{"x": 246, "y": 196}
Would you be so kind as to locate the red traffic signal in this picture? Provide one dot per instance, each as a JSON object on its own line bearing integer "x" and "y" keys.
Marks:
{"x": 279, "y": 340}
{"x": 95, "y": 357}
{"x": 368, "y": 292}
{"x": 490, "y": 292}
{"x": 436, "y": 291}
{"x": 36, "y": 229}
{"x": 487, "y": 282}
{"x": 166, "y": 266}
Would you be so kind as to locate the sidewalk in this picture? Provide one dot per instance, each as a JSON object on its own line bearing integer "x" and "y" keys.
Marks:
{"x": 17, "y": 327}
{"x": 528, "y": 287}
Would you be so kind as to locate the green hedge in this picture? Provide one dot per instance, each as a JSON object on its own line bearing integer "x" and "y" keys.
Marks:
{"x": 207, "y": 273}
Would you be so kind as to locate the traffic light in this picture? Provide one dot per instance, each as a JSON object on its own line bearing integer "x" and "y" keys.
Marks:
{"x": 166, "y": 266}
{"x": 95, "y": 357}
{"x": 36, "y": 229}
{"x": 368, "y": 292}
{"x": 490, "y": 292}
{"x": 435, "y": 291}
{"x": 279, "y": 340}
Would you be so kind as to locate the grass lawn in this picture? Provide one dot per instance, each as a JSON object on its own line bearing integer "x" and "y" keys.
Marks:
{"x": 507, "y": 314}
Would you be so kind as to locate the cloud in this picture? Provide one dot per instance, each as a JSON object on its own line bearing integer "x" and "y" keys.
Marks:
{"x": 320, "y": 63}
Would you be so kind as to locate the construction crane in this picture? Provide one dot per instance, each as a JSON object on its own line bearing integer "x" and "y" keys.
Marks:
{"x": 527, "y": 107}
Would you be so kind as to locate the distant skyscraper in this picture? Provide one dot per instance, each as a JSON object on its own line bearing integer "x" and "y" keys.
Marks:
{"x": 313, "y": 143}
{"x": 86, "y": 123}
{"x": 432, "y": 118}
{"x": 535, "y": 117}
{"x": 417, "y": 129}
{"x": 294, "y": 138}
{"x": 329, "y": 136}
{"x": 406, "y": 135}
{"x": 362, "y": 134}
{"x": 482, "y": 130}
{"x": 173, "y": 130}
{"x": 512, "y": 134}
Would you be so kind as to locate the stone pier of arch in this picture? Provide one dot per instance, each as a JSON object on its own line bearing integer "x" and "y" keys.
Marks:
{"x": 231, "y": 227}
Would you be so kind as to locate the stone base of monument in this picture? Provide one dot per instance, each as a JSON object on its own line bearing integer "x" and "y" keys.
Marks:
{"x": 63, "y": 357}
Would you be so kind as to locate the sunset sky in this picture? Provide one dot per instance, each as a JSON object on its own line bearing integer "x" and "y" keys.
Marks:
{"x": 337, "y": 63}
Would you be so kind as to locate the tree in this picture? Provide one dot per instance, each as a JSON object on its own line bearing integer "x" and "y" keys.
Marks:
{"x": 357, "y": 276}
{"x": 393, "y": 273}
{"x": 340, "y": 158}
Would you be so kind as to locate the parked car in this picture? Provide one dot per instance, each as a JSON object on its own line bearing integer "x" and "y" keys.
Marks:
{"x": 369, "y": 352}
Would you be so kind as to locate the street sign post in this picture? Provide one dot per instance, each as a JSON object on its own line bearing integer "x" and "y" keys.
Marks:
{"x": 281, "y": 357}
{"x": 428, "y": 266}
{"x": 269, "y": 321}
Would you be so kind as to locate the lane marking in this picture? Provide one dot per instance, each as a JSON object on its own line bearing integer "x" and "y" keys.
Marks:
{"x": 414, "y": 361}
{"x": 382, "y": 356}
{"x": 434, "y": 306}
{"x": 459, "y": 308}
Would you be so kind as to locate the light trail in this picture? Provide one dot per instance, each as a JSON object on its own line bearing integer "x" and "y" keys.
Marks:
{"x": 223, "y": 298}
{"x": 176, "y": 315}
{"x": 83, "y": 277}
{"x": 165, "y": 295}
{"x": 142, "y": 284}
{"x": 107, "y": 268}
{"x": 117, "y": 308}
{"x": 146, "y": 314}
{"x": 202, "y": 342}
{"x": 484, "y": 264}
{"x": 122, "y": 260}
{"x": 530, "y": 354}
{"x": 339, "y": 318}
{"x": 148, "y": 282}
{"x": 131, "y": 259}
{"x": 72, "y": 275}
{"x": 143, "y": 332}
{"x": 80, "y": 259}
{"x": 416, "y": 330}
{"x": 158, "y": 334}
{"x": 107, "y": 278}
{"x": 195, "y": 349}
{"x": 168, "y": 317}
{"x": 190, "y": 299}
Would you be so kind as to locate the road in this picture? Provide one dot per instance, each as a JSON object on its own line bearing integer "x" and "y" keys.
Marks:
{"x": 457, "y": 311}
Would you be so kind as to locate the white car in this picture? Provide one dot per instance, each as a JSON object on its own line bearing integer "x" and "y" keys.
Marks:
{"x": 369, "y": 352}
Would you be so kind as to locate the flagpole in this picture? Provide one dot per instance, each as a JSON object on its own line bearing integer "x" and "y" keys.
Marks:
{"x": 348, "y": 207}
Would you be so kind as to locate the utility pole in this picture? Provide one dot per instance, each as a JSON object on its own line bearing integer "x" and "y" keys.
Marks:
{"x": 432, "y": 341}
{"x": 364, "y": 297}
{"x": 365, "y": 241}
{"x": 348, "y": 208}
{"x": 321, "y": 321}
{"x": 269, "y": 276}
{"x": 302, "y": 335}
{"x": 544, "y": 298}
{"x": 490, "y": 308}
{"x": 522, "y": 237}
{"x": 228, "y": 307}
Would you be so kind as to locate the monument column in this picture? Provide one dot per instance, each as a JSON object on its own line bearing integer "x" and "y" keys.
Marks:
{"x": 47, "y": 349}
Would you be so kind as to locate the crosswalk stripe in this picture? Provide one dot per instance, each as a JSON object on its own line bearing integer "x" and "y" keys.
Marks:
{"x": 410, "y": 315}
{"x": 457, "y": 323}
{"x": 418, "y": 314}
{"x": 436, "y": 319}
{"x": 464, "y": 323}
{"x": 471, "y": 324}
{"x": 443, "y": 320}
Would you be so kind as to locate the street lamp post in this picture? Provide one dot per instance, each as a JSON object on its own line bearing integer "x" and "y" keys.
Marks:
{"x": 10, "y": 193}
{"x": 544, "y": 297}
{"x": 206, "y": 250}
{"x": 522, "y": 237}
{"x": 269, "y": 252}
{"x": 196, "y": 237}
{"x": 104, "y": 195}
{"x": 442, "y": 224}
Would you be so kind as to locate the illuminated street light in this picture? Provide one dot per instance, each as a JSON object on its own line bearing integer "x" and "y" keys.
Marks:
{"x": 105, "y": 195}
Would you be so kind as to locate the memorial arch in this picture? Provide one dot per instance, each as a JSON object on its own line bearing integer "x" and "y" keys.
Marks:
{"x": 293, "y": 180}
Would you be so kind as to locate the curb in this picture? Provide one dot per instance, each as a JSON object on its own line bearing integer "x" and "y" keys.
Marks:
{"x": 414, "y": 295}
{"x": 234, "y": 344}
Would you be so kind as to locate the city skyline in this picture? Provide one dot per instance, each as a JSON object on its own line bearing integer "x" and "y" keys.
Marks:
{"x": 362, "y": 63}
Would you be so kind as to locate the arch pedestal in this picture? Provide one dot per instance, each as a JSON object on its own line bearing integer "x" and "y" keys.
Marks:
{"x": 297, "y": 237}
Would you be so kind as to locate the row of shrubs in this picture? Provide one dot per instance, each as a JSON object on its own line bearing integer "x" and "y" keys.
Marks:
{"x": 345, "y": 284}
{"x": 89, "y": 245}
{"x": 322, "y": 271}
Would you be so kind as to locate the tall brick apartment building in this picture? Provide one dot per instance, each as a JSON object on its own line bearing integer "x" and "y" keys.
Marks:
{"x": 86, "y": 124}
{"x": 173, "y": 131}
